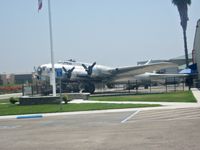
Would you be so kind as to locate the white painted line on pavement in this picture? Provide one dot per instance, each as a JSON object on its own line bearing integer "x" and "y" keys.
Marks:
{"x": 9, "y": 127}
{"x": 129, "y": 117}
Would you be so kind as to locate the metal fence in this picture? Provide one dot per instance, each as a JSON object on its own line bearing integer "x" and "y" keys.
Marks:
{"x": 36, "y": 89}
{"x": 150, "y": 87}
{"x": 131, "y": 87}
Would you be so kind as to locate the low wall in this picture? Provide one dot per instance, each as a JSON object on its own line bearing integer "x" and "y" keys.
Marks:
{"x": 37, "y": 100}
{"x": 71, "y": 96}
{"x": 25, "y": 100}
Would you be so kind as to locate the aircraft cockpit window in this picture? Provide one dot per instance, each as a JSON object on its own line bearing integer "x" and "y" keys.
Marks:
{"x": 72, "y": 60}
{"x": 68, "y": 63}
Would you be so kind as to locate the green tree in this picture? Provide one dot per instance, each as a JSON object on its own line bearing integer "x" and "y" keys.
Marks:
{"x": 182, "y": 6}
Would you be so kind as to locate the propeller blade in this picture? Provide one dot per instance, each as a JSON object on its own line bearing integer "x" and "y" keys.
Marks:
{"x": 84, "y": 66}
{"x": 35, "y": 70}
{"x": 93, "y": 64}
{"x": 68, "y": 73}
{"x": 89, "y": 69}
{"x": 72, "y": 69}
{"x": 65, "y": 70}
{"x": 37, "y": 73}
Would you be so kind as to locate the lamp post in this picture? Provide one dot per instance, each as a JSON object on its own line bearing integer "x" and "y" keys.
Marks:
{"x": 53, "y": 80}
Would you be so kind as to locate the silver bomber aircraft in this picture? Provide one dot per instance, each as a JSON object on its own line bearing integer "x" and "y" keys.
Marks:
{"x": 77, "y": 76}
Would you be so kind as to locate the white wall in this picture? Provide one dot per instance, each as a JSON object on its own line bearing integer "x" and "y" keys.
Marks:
{"x": 196, "y": 47}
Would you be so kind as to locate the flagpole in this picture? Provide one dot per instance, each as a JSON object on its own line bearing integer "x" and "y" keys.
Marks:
{"x": 52, "y": 54}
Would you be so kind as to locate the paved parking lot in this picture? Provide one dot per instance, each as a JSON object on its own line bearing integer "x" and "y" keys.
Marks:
{"x": 153, "y": 130}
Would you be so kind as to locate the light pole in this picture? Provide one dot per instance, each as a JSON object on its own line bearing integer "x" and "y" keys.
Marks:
{"x": 52, "y": 54}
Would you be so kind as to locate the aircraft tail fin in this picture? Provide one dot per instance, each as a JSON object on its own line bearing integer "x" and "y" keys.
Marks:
{"x": 148, "y": 62}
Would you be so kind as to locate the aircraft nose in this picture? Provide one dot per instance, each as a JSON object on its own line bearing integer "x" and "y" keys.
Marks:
{"x": 39, "y": 70}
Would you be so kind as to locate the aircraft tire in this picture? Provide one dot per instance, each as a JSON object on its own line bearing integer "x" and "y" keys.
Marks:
{"x": 91, "y": 88}
{"x": 87, "y": 88}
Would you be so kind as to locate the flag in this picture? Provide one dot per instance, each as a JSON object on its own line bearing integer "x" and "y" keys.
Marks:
{"x": 39, "y": 5}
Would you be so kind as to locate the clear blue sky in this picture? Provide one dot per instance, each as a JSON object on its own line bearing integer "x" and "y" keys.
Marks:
{"x": 110, "y": 32}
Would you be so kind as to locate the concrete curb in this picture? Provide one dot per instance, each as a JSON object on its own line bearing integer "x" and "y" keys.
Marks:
{"x": 196, "y": 94}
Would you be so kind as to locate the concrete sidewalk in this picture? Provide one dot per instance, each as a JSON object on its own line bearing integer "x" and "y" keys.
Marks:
{"x": 6, "y": 96}
{"x": 196, "y": 93}
{"x": 166, "y": 104}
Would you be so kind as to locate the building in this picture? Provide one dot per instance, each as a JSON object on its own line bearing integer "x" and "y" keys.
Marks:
{"x": 196, "y": 48}
{"x": 6, "y": 79}
{"x": 23, "y": 78}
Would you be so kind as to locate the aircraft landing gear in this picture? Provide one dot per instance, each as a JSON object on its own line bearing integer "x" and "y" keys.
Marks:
{"x": 87, "y": 87}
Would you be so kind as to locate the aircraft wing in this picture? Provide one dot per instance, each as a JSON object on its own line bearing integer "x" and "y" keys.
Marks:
{"x": 124, "y": 74}
{"x": 136, "y": 70}
{"x": 157, "y": 75}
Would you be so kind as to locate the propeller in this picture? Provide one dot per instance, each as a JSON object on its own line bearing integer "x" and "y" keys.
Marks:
{"x": 38, "y": 72}
{"x": 68, "y": 73}
{"x": 89, "y": 69}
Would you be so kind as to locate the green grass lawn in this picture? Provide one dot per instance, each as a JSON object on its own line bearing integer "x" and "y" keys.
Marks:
{"x": 4, "y": 101}
{"x": 165, "y": 97}
{"x": 11, "y": 109}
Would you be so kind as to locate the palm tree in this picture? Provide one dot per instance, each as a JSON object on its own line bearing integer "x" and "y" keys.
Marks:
{"x": 182, "y": 6}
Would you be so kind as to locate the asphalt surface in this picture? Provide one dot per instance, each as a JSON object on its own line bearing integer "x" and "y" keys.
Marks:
{"x": 169, "y": 129}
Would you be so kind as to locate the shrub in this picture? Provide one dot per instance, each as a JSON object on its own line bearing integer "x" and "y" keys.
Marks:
{"x": 65, "y": 99}
{"x": 13, "y": 100}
